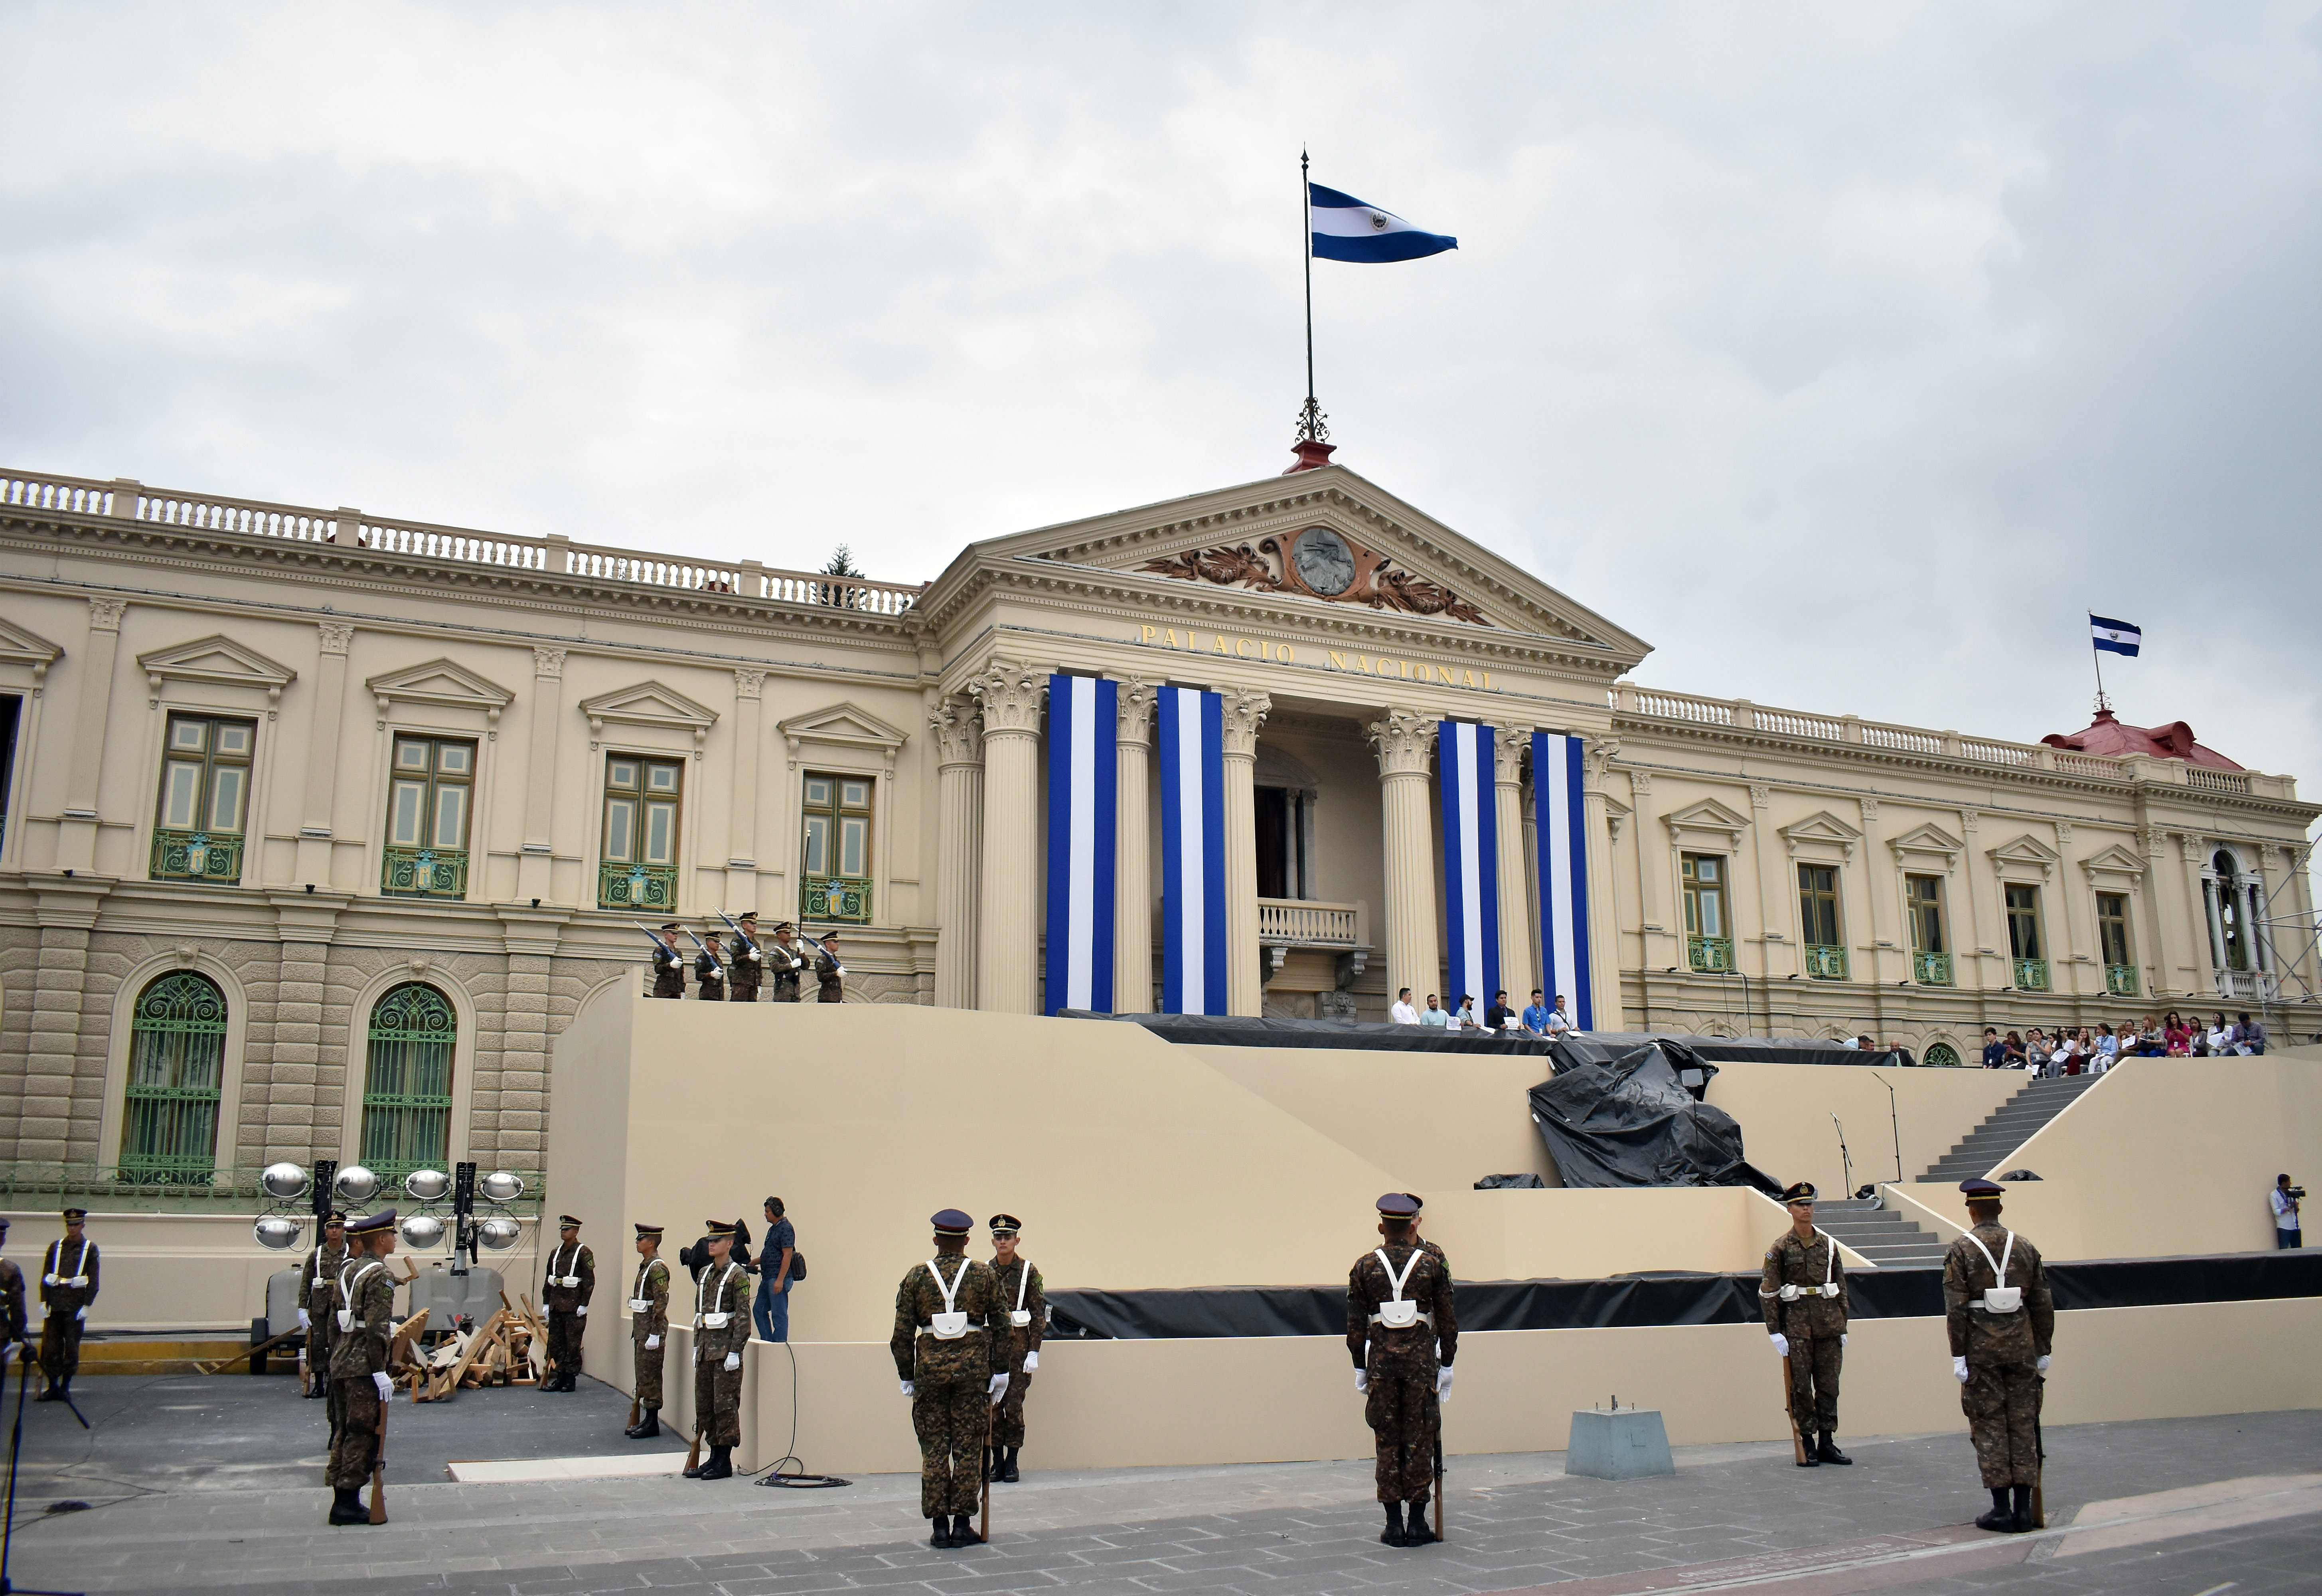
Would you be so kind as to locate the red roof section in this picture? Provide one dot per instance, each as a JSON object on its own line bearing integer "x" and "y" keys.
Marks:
{"x": 2116, "y": 738}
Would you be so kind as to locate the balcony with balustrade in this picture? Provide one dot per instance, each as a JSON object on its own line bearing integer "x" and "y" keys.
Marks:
{"x": 1825, "y": 963}
{"x": 1290, "y": 925}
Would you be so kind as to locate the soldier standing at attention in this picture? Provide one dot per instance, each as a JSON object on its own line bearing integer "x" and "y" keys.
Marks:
{"x": 787, "y": 962}
{"x": 1804, "y": 1297}
{"x": 2003, "y": 1325}
{"x": 668, "y": 965}
{"x": 364, "y": 1298}
{"x": 709, "y": 972}
{"x": 648, "y": 1324}
{"x": 1401, "y": 1318}
{"x": 571, "y": 1281}
{"x": 827, "y": 970}
{"x": 947, "y": 1311}
{"x": 12, "y": 1321}
{"x": 749, "y": 960}
{"x": 721, "y": 1329}
{"x": 68, "y": 1286}
{"x": 1024, "y": 1298}
{"x": 315, "y": 1278}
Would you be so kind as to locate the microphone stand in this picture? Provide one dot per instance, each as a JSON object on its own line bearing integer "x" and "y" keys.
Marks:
{"x": 16, "y": 1446}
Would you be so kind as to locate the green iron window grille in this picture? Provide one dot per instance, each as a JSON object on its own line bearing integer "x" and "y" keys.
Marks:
{"x": 425, "y": 873}
{"x": 636, "y": 886}
{"x": 199, "y": 816}
{"x": 177, "y": 1062}
{"x": 407, "y": 1081}
{"x": 1826, "y": 963}
{"x": 2032, "y": 975}
{"x": 197, "y": 855}
{"x": 1931, "y": 970}
{"x": 2120, "y": 980}
{"x": 1709, "y": 955}
{"x": 835, "y": 897}
{"x": 1942, "y": 1055}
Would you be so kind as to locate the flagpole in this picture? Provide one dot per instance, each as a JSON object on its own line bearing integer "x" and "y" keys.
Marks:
{"x": 1310, "y": 419}
{"x": 2097, "y": 655}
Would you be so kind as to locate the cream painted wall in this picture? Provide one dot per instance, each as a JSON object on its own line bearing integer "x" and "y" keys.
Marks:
{"x": 1785, "y": 1111}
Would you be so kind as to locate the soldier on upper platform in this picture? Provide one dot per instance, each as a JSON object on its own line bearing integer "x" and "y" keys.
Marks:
{"x": 2003, "y": 1325}
{"x": 1804, "y": 1297}
{"x": 667, "y": 964}
{"x": 749, "y": 960}
{"x": 787, "y": 962}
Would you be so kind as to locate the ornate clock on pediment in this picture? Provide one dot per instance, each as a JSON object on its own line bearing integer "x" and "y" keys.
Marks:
{"x": 1318, "y": 562}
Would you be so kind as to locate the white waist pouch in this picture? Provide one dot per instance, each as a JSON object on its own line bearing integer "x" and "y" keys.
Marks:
{"x": 1021, "y": 1317}
{"x": 1788, "y": 1293}
{"x": 2003, "y": 1300}
{"x": 569, "y": 1281}
{"x": 1398, "y": 1312}
{"x": 641, "y": 1305}
{"x": 2002, "y": 1297}
{"x": 346, "y": 1318}
{"x": 947, "y": 1326}
{"x": 716, "y": 1321}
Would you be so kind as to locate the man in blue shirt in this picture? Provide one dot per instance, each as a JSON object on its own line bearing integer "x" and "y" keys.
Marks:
{"x": 1559, "y": 1018}
{"x": 771, "y": 1310}
{"x": 1994, "y": 1051}
{"x": 1433, "y": 1015}
{"x": 1535, "y": 1017}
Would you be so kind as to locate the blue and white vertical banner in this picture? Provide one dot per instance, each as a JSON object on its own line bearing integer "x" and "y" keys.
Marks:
{"x": 1193, "y": 851}
{"x": 1471, "y": 861}
{"x": 1562, "y": 818}
{"x": 1083, "y": 738}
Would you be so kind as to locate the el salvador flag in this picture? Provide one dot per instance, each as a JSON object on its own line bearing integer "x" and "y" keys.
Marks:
{"x": 1347, "y": 229}
{"x": 2116, "y": 637}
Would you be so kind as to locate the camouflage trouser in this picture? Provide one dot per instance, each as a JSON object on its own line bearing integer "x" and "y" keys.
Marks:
{"x": 1814, "y": 1384}
{"x": 1403, "y": 1416}
{"x": 717, "y": 1402}
{"x": 2002, "y": 1403}
{"x": 1008, "y": 1418}
{"x": 565, "y": 1340}
{"x": 745, "y": 991}
{"x": 356, "y": 1443}
{"x": 60, "y": 1344}
{"x": 951, "y": 1416}
{"x": 648, "y": 1365}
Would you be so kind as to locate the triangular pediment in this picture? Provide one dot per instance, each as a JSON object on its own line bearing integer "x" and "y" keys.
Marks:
{"x": 440, "y": 682}
{"x": 1371, "y": 553}
{"x": 846, "y": 724}
{"x": 1928, "y": 838}
{"x": 1824, "y": 829}
{"x": 218, "y": 660}
{"x": 2117, "y": 858}
{"x": 20, "y": 646}
{"x": 1708, "y": 815}
{"x": 2026, "y": 852}
{"x": 648, "y": 704}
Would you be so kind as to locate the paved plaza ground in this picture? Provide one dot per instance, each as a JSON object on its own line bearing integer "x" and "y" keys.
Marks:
{"x": 197, "y": 1484}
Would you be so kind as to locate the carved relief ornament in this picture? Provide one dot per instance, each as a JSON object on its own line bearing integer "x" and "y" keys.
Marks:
{"x": 1010, "y": 695}
{"x": 1318, "y": 562}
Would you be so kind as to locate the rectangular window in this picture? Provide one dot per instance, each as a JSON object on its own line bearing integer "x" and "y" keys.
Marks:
{"x": 430, "y": 784}
{"x": 637, "y": 868}
{"x": 204, "y": 800}
{"x": 2024, "y": 921}
{"x": 1708, "y": 946}
{"x": 1922, "y": 906}
{"x": 1818, "y": 921}
{"x": 834, "y": 848}
{"x": 2112, "y": 937}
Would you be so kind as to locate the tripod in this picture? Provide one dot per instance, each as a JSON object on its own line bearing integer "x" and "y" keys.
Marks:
{"x": 15, "y": 1447}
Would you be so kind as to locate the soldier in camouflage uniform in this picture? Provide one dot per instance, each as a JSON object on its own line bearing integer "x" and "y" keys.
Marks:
{"x": 1804, "y": 1296}
{"x": 828, "y": 973}
{"x": 749, "y": 960}
{"x": 571, "y": 1282}
{"x": 13, "y": 1342}
{"x": 788, "y": 961}
{"x": 2000, "y": 1345}
{"x": 67, "y": 1288}
{"x": 1402, "y": 1329}
{"x": 946, "y": 1312}
{"x": 1023, "y": 1297}
{"x": 648, "y": 1327}
{"x": 668, "y": 965}
{"x": 721, "y": 1329}
{"x": 316, "y": 1276}
{"x": 363, "y": 1298}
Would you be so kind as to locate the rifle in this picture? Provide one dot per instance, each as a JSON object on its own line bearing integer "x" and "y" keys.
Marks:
{"x": 636, "y": 1410}
{"x": 1439, "y": 1468}
{"x": 985, "y": 1528}
{"x": 653, "y": 937}
{"x": 1797, "y": 1441}
{"x": 379, "y": 1469}
{"x": 2040, "y": 1468}
{"x": 740, "y": 935}
{"x": 693, "y": 1453}
{"x": 708, "y": 953}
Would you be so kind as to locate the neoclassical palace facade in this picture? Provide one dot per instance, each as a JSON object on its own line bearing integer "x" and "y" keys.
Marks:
{"x": 320, "y": 824}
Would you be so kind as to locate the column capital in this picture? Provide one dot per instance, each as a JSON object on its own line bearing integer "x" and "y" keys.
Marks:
{"x": 959, "y": 736}
{"x": 1137, "y": 698}
{"x": 1404, "y": 741}
{"x": 105, "y": 614}
{"x": 749, "y": 682}
{"x": 1245, "y": 711}
{"x": 1511, "y": 745}
{"x": 1010, "y": 695}
{"x": 548, "y": 664}
{"x": 337, "y": 636}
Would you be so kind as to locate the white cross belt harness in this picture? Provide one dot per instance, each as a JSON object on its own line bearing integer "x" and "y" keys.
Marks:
{"x": 1829, "y": 1286}
{"x": 569, "y": 1282}
{"x": 2003, "y": 1297}
{"x": 1399, "y": 1312}
{"x": 79, "y": 1276}
{"x": 347, "y": 1294}
{"x": 947, "y": 1326}
{"x": 715, "y": 1321}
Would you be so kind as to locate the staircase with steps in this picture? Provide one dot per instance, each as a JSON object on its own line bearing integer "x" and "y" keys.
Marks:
{"x": 1880, "y": 1234}
{"x": 2010, "y": 1126}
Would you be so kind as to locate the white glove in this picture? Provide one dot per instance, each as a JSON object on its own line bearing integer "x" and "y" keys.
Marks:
{"x": 1362, "y": 1380}
{"x": 1959, "y": 1370}
{"x": 733, "y": 1362}
{"x": 2040, "y": 1362}
{"x": 1781, "y": 1344}
{"x": 304, "y": 1322}
{"x": 908, "y": 1388}
{"x": 1841, "y": 1339}
{"x": 81, "y": 1313}
{"x": 1031, "y": 1363}
{"x": 386, "y": 1386}
{"x": 1443, "y": 1383}
{"x": 582, "y": 1310}
{"x": 653, "y": 1343}
{"x": 998, "y": 1388}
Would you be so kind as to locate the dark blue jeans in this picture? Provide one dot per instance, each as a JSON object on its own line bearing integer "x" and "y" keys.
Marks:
{"x": 2287, "y": 1238}
{"x": 772, "y": 1311}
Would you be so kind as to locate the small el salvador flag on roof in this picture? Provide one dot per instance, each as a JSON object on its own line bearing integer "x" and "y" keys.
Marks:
{"x": 2116, "y": 637}
{"x": 1347, "y": 229}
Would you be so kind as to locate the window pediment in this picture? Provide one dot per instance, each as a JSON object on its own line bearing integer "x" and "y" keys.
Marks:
{"x": 2116, "y": 860}
{"x": 1820, "y": 835}
{"x": 18, "y": 647}
{"x": 842, "y": 725}
{"x": 215, "y": 661}
{"x": 651, "y": 704}
{"x": 442, "y": 684}
{"x": 1928, "y": 845}
{"x": 1707, "y": 820}
{"x": 2026, "y": 856}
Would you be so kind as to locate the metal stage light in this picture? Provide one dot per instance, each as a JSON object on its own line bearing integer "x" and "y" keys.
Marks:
{"x": 421, "y": 1231}
{"x": 277, "y": 1232}
{"x": 284, "y": 1182}
{"x": 499, "y": 1234}
{"x": 357, "y": 1184}
{"x": 501, "y": 1186}
{"x": 426, "y": 1186}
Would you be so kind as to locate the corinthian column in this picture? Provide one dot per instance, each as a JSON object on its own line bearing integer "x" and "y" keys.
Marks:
{"x": 1404, "y": 741}
{"x": 1008, "y": 942}
{"x": 1244, "y": 712}
{"x": 1519, "y": 960}
{"x": 959, "y": 847}
{"x": 1132, "y": 897}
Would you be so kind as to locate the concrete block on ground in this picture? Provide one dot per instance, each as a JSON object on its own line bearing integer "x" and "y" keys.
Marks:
{"x": 1629, "y": 1444}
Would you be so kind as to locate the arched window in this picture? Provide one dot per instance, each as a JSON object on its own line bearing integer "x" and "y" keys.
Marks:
{"x": 177, "y": 1060}
{"x": 407, "y": 1111}
{"x": 1942, "y": 1055}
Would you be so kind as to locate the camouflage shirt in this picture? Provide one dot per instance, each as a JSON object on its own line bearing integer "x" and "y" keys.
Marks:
{"x": 651, "y": 1287}
{"x": 574, "y": 1259}
{"x": 919, "y": 1299}
{"x": 723, "y": 1288}
{"x": 1407, "y": 1350}
{"x": 320, "y": 1273}
{"x": 1022, "y": 1276}
{"x": 366, "y": 1289}
{"x": 1790, "y": 1261}
{"x": 1983, "y": 1337}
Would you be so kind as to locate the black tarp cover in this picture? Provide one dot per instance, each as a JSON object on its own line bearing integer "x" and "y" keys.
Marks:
{"x": 1627, "y": 1119}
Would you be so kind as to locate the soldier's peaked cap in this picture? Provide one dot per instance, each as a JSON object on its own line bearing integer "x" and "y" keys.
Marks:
{"x": 1005, "y": 1225}
{"x": 370, "y": 1224}
{"x": 649, "y": 1230}
{"x": 1800, "y": 1191}
{"x": 1983, "y": 1191}
{"x": 951, "y": 1222}
{"x": 76, "y": 1212}
{"x": 335, "y": 1216}
{"x": 566, "y": 1222}
{"x": 1398, "y": 1204}
{"x": 671, "y": 925}
{"x": 718, "y": 1227}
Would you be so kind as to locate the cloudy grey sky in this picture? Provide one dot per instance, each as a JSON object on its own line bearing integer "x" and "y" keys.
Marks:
{"x": 1849, "y": 354}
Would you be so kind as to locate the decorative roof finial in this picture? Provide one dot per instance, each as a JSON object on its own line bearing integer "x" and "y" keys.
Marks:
{"x": 1313, "y": 445}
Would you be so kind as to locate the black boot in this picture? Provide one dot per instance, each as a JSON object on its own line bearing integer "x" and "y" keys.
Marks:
{"x": 720, "y": 1465}
{"x": 48, "y": 1393}
{"x": 645, "y": 1428}
{"x": 2023, "y": 1509}
{"x": 322, "y": 1388}
{"x": 1828, "y": 1451}
{"x": 1418, "y": 1532}
{"x": 963, "y": 1533}
{"x": 1007, "y": 1474}
{"x": 346, "y": 1508}
{"x": 939, "y": 1532}
{"x": 2002, "y": 1516}
{"x": 1394, "y": 1535}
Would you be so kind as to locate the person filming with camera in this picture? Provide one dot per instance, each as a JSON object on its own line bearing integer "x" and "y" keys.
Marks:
{"x": 2284, "y": 1199}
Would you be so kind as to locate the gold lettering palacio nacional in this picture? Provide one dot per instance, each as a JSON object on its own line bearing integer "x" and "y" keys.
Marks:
{"x": 319, "y": 825}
